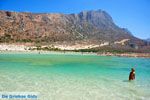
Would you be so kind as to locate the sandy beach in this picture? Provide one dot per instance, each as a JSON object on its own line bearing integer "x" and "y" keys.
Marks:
{"x": 20, "y": 48}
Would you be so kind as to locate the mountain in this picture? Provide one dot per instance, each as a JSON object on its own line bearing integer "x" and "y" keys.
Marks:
{"x": 148, "y": 39}
{"x": 95, "y": 26}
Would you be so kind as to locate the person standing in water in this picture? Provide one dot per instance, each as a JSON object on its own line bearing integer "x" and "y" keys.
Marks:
{"x": 132, "y": 74}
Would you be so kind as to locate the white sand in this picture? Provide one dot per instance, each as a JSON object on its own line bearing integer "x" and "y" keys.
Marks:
{"x": 21, "y": 47}
{"x": 13, "y": 47}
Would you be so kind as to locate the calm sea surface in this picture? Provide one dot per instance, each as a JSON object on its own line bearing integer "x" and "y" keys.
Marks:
{"x": 75, "y": 76}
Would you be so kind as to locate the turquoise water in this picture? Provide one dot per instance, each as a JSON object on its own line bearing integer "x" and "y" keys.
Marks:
{"x": 75, "y": 76}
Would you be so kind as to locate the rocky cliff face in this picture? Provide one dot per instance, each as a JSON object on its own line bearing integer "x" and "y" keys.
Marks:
{"x": 90, "y": 26}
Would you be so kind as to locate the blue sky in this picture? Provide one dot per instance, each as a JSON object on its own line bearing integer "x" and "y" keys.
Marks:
{"x": 131, "y": 14}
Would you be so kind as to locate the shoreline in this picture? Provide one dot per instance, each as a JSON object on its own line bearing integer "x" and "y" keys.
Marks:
{"x": 134, "y": 55}
{"x": 17, "y": 48}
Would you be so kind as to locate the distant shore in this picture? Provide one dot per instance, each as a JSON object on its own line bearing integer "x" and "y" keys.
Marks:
{"x": 15, "y": 48}
{"x": 137, "y": 55}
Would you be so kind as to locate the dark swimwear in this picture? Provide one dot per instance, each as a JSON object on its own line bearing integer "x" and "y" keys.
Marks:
{"x": 132, "y": 75}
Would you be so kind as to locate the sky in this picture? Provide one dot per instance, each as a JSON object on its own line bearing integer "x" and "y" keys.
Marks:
{"x": 131, "y": 14}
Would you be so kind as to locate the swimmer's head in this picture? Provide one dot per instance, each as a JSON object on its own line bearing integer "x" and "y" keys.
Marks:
{"x": 132, "y": 69}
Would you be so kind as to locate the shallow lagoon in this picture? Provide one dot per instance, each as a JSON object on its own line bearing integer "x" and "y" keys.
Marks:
{"x": 75, "y": 76}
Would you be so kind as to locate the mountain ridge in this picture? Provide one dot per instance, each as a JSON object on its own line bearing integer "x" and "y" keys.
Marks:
{"x": 94, "y": 26}
{"x": 148, "y": 39}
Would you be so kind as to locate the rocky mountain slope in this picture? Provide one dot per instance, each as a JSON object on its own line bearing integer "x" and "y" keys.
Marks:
{"x": 148, "y": 39}
{"x": 87, "y": 27}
